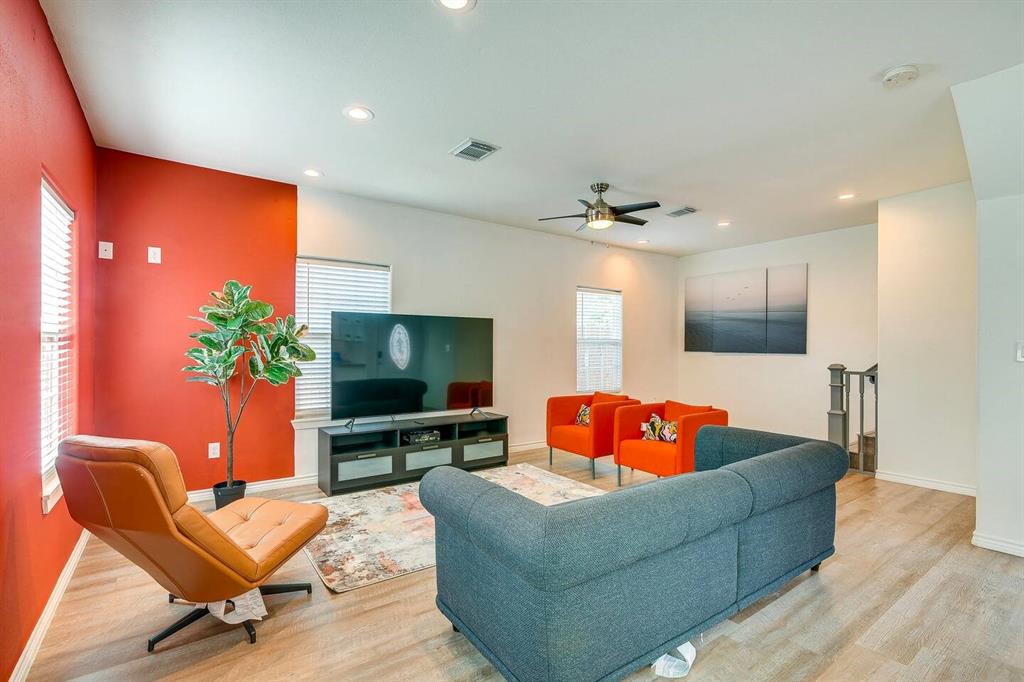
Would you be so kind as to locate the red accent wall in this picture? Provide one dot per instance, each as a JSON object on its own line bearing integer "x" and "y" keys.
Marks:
{"x": 212, "y": 226}
{"x": 42, "y": 130}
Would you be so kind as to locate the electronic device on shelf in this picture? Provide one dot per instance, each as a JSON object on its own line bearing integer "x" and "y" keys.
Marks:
{"x": 421, "y": 436}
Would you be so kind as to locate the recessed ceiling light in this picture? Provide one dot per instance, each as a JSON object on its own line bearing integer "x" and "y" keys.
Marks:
{"x": 643, "y": 241}
{"x": 312, "y": 172}
{"x": 724, "y": 223}
{"x": 358, "y": 113}
{"x": 457, "y": 5}
{"x": 847, "y": 196}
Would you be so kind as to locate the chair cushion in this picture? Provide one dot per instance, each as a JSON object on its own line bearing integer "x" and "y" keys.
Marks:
{"x": 600, "y": 397}
{"x": 583, "y": 415}
{"x": 653, "y": 456}
{"x": 269, "y": 531}
{"x": 674, "y": 410}
{"x": 572, "y": 438}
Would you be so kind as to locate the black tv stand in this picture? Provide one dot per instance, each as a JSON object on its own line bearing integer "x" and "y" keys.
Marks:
{"x": 370, "y": 454}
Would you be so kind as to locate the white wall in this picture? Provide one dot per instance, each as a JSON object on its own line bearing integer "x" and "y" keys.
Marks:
{"x": 789, "y": 393}
{"x": 927, "y": 338}
{"x": 990, "y": 110}
{"x": 448, "y": 265}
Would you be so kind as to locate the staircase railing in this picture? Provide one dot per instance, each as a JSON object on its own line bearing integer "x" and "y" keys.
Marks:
{"x": 840, "y": 385}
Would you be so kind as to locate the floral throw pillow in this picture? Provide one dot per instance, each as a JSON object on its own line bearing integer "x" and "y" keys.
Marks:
{"x": 583, "y": 416}
{"x": 659, "y": 429}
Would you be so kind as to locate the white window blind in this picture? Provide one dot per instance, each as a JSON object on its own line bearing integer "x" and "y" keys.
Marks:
{"x": 321, "y": 287}
{"x": 598, "y": 340}
{"x": 56, "y": 328}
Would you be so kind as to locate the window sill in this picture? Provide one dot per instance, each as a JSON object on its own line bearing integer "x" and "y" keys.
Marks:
{"x": 52, "y": 491}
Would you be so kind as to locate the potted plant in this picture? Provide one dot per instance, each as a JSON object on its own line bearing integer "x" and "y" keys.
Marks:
{"x": 240, "y": 333}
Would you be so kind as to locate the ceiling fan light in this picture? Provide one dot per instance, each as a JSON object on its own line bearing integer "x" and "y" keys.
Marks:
{"x": 600, "y": 224}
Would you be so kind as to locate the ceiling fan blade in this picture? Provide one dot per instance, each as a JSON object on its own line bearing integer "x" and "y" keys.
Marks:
{"x": 629, "y": 208}
{"x": 585, "y": 203}
{"x": 631, "y": 220}
{"x": 581, "y": 227}
{"x": 557, "y": 217}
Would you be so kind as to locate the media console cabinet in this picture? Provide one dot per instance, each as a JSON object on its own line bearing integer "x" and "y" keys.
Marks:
{"x": 375, "y": 453}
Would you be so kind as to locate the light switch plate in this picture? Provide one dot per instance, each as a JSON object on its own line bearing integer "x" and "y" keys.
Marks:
{"x": 1020, "y": 351}
{"x": 106, "y": 250}
{"x": 213, "y": 450}
{"x": 153, "y": 254}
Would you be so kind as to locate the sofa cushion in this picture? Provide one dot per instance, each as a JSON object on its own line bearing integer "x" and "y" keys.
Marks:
{"x": 600, "y": 397}
{"x": 572, "y": 438}
{"x": 653, "y": 456}
{"x": 717, "y": 446}
{"x": 674, "y": 410}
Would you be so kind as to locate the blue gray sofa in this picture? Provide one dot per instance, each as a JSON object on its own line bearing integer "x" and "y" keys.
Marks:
{"x": 596, "y": 588}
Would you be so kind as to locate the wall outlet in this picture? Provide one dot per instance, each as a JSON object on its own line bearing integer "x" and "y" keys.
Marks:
{"x": 153, "y": 254}
{"x": 213, "y": 450}
{"x": 107, "y": 250}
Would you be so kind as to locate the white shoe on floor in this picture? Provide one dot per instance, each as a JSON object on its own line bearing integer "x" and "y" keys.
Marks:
{"x": 677, "y": 663}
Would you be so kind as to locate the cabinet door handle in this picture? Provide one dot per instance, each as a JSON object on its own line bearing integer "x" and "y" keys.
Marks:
{"x": 485, "y": 440}
{"x": 366, "y": 456}
{"x": 429, "y": 447}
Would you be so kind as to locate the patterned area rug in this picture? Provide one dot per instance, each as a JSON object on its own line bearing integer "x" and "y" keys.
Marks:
{"x": 375, "y": 535}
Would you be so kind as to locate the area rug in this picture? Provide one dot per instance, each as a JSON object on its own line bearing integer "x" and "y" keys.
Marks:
{"x": 380, "y": 534}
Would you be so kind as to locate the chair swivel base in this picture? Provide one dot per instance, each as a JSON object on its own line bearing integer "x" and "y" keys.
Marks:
{"x": 195, "y": 614}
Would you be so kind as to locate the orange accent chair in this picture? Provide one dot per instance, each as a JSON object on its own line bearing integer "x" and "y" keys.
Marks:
{"x": 130, "y": 494}
{"x": 591, "y": 441}
{"x": 658, "y": 457}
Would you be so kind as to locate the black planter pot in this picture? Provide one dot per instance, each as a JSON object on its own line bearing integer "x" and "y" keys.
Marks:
{"x": 223, "y": 495}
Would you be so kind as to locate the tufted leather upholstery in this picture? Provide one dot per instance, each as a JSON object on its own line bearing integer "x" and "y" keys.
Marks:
{"x": 131, "y": 495}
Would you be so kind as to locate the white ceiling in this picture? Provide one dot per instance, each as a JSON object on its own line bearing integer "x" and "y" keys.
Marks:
{"x": 755, "y": 112}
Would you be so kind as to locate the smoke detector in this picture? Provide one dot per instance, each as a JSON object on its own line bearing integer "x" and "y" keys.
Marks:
{"x": 900, "y": 76}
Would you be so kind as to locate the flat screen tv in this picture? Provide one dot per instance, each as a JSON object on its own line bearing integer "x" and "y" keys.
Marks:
{"x": 385, "y": 364}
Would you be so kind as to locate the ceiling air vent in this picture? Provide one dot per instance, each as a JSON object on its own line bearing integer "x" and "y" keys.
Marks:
{"x": 680, "y": 212}
{"x": 473, "y": 150}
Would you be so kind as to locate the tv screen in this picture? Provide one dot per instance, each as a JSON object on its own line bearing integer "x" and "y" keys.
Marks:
{"x": 384, "y": 364}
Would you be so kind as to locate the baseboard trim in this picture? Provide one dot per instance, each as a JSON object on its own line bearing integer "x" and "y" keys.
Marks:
{"x": 523, "y": 447}
{"x": 921, "y": 482}
{"x": 258, "y": 486}
{"x": 35, "y": 640}
{"x": 997, "y": 544}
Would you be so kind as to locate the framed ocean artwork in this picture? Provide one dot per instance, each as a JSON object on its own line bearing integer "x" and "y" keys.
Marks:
{"x": 752, "y": 311}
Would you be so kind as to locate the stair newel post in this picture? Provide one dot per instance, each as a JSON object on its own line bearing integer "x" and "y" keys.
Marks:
{"x": 860, "y": 430}
{"x": 837, "y": 408}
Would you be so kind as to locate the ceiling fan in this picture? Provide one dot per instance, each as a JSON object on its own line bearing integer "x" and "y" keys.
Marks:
{"x": 600, "y": 215}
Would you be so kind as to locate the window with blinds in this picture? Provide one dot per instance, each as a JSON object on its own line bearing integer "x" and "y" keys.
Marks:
{"x": 56, "y": 328}
{"x": 321, "y": 287}
{"x": 598, "y": 340}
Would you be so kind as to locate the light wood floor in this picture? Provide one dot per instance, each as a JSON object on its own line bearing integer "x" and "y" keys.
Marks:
{"x": 906, "y": 596}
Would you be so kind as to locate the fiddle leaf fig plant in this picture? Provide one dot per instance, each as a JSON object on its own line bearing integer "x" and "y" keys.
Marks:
{"x": 240, "y": 341}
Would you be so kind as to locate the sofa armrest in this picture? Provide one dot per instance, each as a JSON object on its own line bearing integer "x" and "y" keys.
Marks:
{"x": 554, "y": 548}
{"x": 628, "y": 421}
{"x": 717, "y": 446}
{"x": 602, "y": 423}
{"x": 561, "y": 410}
{"x": 686, "y": 435}
{"x": 790, "y": 474}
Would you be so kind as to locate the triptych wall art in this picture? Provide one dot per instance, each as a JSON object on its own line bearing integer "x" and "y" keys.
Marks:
{"x": 753, "y": 311}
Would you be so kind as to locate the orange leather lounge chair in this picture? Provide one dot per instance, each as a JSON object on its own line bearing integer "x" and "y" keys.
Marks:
{"x": 591, "y": 441}
{"x": 130, "y": 494}
{"x": 659, "y": 457}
